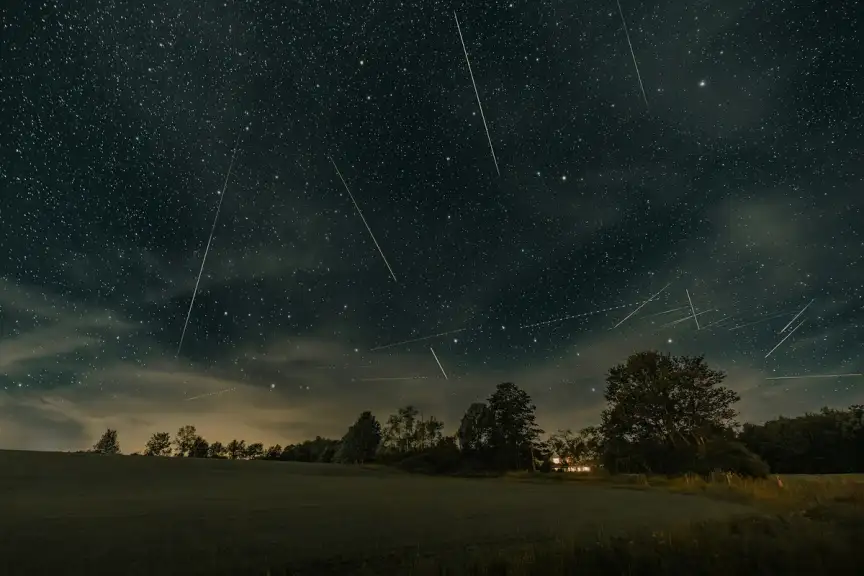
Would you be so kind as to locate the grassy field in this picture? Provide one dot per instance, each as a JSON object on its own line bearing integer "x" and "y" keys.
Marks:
{"x": 91, "y": 514}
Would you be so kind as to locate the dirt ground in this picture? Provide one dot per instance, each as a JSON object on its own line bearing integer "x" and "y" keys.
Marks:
{"x": 91, "y": 514}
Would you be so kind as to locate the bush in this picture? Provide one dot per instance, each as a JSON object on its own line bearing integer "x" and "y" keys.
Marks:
{"x": 445, "y": 458}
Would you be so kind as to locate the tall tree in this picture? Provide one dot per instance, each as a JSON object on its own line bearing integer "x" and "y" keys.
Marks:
{"x": 236, "y": 449}
{"x": 216, "y": 450}
{"x": 430, "y": 433}
{"x": 361, "y": 441}
{"x": 515, "y": 434}
{"x": 399, "y": 435}
{"x": 184, "y": 442}
{"x": 827, "y": 442}
{"x": 158, "y": 445}
{"x": 273, "y": 452}
{"x": 475, "y": 428}
{"x": 661, "y": 409}
{"x": 254, "y": 451}
{"x": 108, "y": 443}
{"x": 200, "y": 448}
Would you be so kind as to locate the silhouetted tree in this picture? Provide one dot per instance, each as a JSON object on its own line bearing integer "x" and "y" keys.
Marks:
{"x": 158, "y": 445}
{"x": 515, "y": 433}
{"x": 361, "y": 441}
{"x": 669, "y": 415}
{"x": 317, "y": 450}
{"x": 200, "y": 448}
{"x": 827, "y": 442}
{"x": 273, "y": 452}
{"x": 236, "y": 449}
{"x": 475, "y": 429}
{"x": 399, "y": 435}
{"x": 254, "y": 451}
{"x": 184, "y": 441}
{"x": 216, "y": 450}
{"x": 108, "y": 443}
{"x": 406, "y": 432}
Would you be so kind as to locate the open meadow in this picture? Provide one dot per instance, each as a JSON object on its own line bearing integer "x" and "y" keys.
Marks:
{"x": 94, "y": 514}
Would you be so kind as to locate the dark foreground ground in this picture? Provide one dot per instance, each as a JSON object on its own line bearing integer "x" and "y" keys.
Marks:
{"x": 91, "y": 514}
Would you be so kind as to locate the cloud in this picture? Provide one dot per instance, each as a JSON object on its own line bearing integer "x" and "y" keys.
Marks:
{"x": 48, "y": 326}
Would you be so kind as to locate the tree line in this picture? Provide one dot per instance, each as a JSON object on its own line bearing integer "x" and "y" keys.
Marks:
{"x": 664, "y": 414}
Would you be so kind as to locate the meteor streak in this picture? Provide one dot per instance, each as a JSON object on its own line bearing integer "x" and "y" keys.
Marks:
{"x": 391, "y": 378}
{"x": 209, "y": 241}
{"x": 633, "y": 54}
{"x": 417, "y": 339}
{"x": 439, "y": 363}
{"x": 772, "y": 317}
{"x": 666, "y": 311}
{"x": 805, "y": 376}
{"x": 693, "y": 309}
{"x": 716, "y": 322}
{"x": 211, "y": 394}
{"x": 563, "y": 318}
{"x": 641, "y": 306}
{"x": 785, "y": 338}
{"x": 360, "y": 212}
{"x": 476, "y": 93}
{"x": 797, "y": 315}
{"x": 684, "y": 319}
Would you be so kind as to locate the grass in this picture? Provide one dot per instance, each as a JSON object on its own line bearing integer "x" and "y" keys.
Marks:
{"x": 89, "y": 514}
{"x": 810, "y": 525}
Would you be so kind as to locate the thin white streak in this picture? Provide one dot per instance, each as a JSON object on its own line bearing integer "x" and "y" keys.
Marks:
{"x": 563, "y": 318}
{"x": 209, "y": 241}
{"x": 666, "y": 312}
{"x": 772, "y": 317}
{"x": 417, "y": 339}
{"x": 684, "y": 319}
{"x": 785, "y": 338}
{"x": 391, "y": 378}
{"x": 632, "y": 53}
{"x": 210, "y": 394}
{"x": 796, "y": 316}
{"x": 716, "y": 322}
{"x": 439, "y": 363}
{"x": 806, "y": 376}
{"x": 360, "y": 212}
{"x": 476, "y": 93}
{"x": 641, "y": 306}
{"x": 693, "y": 309}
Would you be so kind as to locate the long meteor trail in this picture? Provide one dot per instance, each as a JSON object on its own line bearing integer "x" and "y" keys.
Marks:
{"x": 785, "y": 338}
{"x": 439, "y": 363}
{"x": 693, "y": 309}
{"x": 571, "y": 317}
{"x": 360, "y": 212}
{"x": 640, "y": 306}
{"x": 476, "y": 93}
{"x": 633, "y": 54}
{"x": 210, "y": 394}
{"x": 209, "y": 241}
{"x": 807, "y": 376}
{"x": 422, "y": 338}
{"x": 392, "y": 378}
{"x": 797, "y": 315}
{"x": 685, "y": 318}
{"x": 760, "y": 321}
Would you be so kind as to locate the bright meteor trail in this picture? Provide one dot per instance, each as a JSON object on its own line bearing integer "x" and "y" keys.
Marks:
{"x": 209, "y": 241}
{"x": 360, "y": 212}
{"x": 476, "y": 93}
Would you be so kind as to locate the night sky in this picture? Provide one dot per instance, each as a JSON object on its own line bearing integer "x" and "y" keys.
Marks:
{"x": 741, "y": 182}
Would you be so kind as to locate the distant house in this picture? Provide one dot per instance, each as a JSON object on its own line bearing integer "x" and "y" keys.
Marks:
{"x": 563, "y": 466}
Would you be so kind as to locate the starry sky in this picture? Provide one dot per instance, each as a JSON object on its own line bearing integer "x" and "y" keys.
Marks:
{"x": 736, "y": 179}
